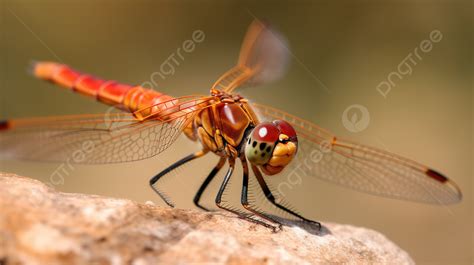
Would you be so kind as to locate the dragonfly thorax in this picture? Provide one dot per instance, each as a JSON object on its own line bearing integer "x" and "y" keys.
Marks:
{"x": 224, "y": 126}
{"x": 231, "y": 128}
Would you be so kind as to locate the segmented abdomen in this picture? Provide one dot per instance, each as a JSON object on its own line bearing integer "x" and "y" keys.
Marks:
{"x": 127, "y": 97}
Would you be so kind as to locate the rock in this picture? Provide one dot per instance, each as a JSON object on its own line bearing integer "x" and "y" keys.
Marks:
{"x": 39, "y": 225}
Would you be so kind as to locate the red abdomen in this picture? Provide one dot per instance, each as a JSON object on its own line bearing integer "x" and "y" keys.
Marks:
{"x": 127, "y": 97}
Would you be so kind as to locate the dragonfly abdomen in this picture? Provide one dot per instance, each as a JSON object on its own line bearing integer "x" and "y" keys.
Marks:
{"x": 128, "y": 97}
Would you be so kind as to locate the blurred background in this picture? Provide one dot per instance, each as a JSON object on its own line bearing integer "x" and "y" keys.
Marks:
{"x": 342, "y": 51}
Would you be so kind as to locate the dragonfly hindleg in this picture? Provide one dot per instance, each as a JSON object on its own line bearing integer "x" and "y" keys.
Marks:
{"x": 167, "y": 170}
{"x": 206, "y": 182}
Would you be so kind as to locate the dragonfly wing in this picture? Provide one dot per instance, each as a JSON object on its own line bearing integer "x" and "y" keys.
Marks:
{"x": 360, "y": 167}
{"x": 101, "y": 138}
{"x": 263, "y": 58}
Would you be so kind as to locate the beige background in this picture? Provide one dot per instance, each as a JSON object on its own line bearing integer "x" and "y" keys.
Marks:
{"x": 348, "y": 47}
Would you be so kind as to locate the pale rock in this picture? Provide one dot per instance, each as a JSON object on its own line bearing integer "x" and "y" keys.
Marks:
{"x": 39, "y": 225}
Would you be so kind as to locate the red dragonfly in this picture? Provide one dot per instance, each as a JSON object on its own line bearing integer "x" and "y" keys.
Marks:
{"x": 266, "y": 140}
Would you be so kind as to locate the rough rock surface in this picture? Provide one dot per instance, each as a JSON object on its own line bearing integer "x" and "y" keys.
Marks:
{"x": 39, "y": 225}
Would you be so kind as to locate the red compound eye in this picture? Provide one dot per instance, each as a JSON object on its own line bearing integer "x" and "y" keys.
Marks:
{"x": 266, "y": 132}
{"x": 285, "y": 128}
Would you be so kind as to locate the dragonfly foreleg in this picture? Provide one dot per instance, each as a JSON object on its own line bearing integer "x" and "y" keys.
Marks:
{"x": 167, "y": 170}
{"x": 242, "y": 214}
{"x": 206, "y": 182}
{"x": 268, "y": 194}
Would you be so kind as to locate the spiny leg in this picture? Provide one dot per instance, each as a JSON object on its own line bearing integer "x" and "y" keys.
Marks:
{"x": 268, "y": 194}
{"x": 241, "y": 214}
{"x": 206, "y": 182}
{"x": 244, "y": 196}
{"x": 167, "y": 170}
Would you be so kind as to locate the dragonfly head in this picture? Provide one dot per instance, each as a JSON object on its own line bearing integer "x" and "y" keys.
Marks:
{"x": 271, "y": 145}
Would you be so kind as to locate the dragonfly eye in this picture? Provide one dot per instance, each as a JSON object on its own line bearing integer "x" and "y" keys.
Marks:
{"x": 271, "y": 146}
{"x": 285, "y": 128}
{"x": 260, "y": 144}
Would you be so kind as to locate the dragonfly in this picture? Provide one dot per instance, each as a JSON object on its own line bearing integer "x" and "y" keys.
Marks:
{"x": 267, "y": 141}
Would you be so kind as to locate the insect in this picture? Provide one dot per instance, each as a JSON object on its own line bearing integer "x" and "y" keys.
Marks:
{"x": 267, "y": 141}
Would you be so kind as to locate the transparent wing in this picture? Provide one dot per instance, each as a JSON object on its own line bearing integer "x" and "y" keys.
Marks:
{"x": 101, "y": 138}
{"x": 263, "y": 58}
{"x": 363, "y": 168}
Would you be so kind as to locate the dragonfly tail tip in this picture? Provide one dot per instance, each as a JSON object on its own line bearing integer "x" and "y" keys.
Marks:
{"x": 3, "y": 125}
{"x": 31, "y": 67}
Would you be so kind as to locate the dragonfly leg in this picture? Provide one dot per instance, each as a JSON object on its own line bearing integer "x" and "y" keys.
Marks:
{"x": 268, "y": 194}
{"x": 167, "y": 170}
{"x": 206, "y": 182}
{"x": 244, "y": 196}
{"x": 242, "y": 214}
